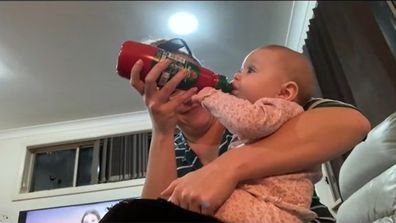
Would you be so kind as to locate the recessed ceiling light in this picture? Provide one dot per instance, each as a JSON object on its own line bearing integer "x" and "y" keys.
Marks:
{"x": 183, "y": 23}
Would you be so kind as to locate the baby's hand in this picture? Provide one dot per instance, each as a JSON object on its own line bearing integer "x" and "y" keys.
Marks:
{"x": 202, "y": 94}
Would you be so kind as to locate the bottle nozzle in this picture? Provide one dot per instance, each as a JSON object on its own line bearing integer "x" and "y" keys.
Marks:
{"x": 224, "y": 85}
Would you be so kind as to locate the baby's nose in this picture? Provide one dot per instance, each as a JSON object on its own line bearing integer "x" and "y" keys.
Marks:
{"x": 237, "y": 76}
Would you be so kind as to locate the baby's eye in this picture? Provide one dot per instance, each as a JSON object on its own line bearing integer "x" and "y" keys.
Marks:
{"x": 250, "y": 70}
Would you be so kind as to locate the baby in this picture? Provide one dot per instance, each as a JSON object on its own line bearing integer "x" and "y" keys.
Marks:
{"x": 266, "y": 94}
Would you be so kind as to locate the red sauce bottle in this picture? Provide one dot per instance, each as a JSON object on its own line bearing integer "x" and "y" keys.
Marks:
{"x": 198, "y": 76}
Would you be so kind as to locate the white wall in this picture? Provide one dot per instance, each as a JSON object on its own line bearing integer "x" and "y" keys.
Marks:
{"x": 13, "y": 145}
{"x": 298, "y": 25}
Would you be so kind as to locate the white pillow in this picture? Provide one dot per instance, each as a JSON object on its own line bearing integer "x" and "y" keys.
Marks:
{"x": 369, "y": 158}
{"x": 375, "y": 201}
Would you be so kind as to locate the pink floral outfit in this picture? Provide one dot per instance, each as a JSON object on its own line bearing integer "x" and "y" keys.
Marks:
{"x": 283, "y": 198}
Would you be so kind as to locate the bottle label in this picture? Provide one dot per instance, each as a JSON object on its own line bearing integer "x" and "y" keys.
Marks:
{"x": 178, "y": 63}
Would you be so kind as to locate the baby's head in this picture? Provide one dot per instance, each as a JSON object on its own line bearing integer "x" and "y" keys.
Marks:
{"x": 275, "y": 71}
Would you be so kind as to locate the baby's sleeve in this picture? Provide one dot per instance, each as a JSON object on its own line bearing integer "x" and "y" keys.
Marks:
{"x": 247, "y": 120}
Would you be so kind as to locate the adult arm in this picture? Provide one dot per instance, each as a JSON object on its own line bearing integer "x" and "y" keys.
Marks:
{"x": 309, "y": 139}
{"x": 161, "y": 169}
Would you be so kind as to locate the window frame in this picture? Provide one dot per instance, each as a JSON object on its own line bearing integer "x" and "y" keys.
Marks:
{"x": 95, "y": 143}
{"x": 30, "y": 160}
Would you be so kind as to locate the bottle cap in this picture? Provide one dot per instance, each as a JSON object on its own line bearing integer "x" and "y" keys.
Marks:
{"x": 224, "y": 85}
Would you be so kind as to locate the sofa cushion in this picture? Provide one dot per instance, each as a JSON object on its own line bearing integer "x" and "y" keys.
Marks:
{"x": 389, "y": 219}
{"x": 375, "y": 201}
{"x": 369, "y": 158}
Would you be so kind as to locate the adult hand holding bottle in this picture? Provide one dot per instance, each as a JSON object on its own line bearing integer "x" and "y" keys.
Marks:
{"x": 162, "y": 105}
{"x": 198, "y": 76}
{"x": 161, "y": 102}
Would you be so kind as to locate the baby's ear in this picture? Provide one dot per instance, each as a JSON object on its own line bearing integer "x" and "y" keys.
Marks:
{"x": 289, "y": 91}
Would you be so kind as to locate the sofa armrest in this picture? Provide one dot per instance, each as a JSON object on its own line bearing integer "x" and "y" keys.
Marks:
{"x": 369, "y": 158}
{"x": 374, "y": 201}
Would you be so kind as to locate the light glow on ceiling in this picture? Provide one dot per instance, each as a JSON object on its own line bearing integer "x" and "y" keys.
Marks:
{"x": 3, "y": 70}
{"x": 183, "y": 23}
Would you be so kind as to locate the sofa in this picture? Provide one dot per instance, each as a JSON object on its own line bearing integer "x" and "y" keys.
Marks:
{"x": 367, "y": 178}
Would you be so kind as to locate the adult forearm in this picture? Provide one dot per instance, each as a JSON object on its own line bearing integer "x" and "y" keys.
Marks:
{"x": 309, "y": 139}
{"x": 161, "y": 169}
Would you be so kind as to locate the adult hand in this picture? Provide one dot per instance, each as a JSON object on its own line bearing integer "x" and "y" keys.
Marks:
{"x": 135, "y": 77}
{"x": 162, "y": 105}
{"x": 203, "y": 190}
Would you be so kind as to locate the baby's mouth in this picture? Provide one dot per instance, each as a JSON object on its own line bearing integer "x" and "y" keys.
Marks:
{"x": 234, "y": 88}
{"x": 235, "y": 92}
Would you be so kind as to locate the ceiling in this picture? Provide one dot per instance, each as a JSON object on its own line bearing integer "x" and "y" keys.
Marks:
{"x": 57, "y": 59}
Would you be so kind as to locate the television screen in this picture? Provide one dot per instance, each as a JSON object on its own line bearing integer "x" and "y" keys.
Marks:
{"x": 82, "y": 213}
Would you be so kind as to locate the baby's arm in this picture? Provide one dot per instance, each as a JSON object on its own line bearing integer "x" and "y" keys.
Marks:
{"x": 247, "y": 120}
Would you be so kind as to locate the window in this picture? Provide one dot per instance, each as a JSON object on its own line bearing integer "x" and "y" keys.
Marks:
{"x": 53, "y": 170}
{"x": 103, "y": 160}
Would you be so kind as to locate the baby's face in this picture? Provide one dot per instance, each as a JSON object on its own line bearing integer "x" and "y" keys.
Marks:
{"x": 261, "y": 75}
